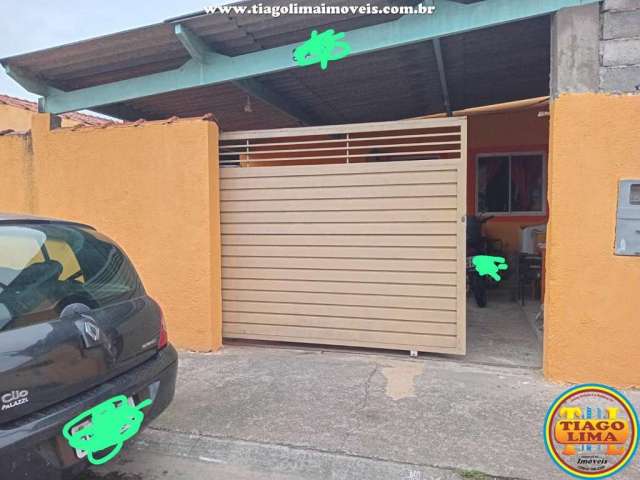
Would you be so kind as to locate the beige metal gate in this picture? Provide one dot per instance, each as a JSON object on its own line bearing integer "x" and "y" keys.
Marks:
{"x": 352, "y": 235}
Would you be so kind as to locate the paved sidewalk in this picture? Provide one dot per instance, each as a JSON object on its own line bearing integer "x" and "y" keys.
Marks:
{"x": 269, "y": 413}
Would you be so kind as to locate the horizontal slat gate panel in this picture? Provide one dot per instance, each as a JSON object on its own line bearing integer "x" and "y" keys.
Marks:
{"x": 398, "y": 326}
{"x": 439, "y": 190}
{"x": 366, "y": 276}
{"x": 337, "y": 169}
{"x": 408, "y": 314}
{"x": 372, "y": 216}
{"x": 424, "y": 303}
{"x": 444, "y": 266}
{"x": 419, "y": 228}
{"x": 304, "y": 333}
{"x": 258, "y": 159}
{"x": 348, "y": 342}
{"x": 342, "y": 240}
{"x": 339, "y": 287}
{"x": 344, "y": 204}
{"x": 345, "y": 180}
{"x": 391, "y": 253}
{"x": 330, "y": 150}
{"x": 362, "y": 254}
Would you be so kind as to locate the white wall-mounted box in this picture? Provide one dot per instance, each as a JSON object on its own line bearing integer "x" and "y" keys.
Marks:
{"x": 628, "y": 218}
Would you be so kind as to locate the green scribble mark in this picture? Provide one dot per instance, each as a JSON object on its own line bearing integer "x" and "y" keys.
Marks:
{"x": 108, "y": 425}
{"x": 322, "y": 48}
{"x": 488, "y": 265}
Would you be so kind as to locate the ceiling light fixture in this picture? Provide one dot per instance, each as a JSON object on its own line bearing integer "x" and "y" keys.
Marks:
{"x": 247, "y": 106}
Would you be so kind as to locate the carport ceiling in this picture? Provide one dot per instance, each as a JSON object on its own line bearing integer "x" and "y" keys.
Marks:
{"x": 483, "y": 67}
{"x": 493, "y": 65}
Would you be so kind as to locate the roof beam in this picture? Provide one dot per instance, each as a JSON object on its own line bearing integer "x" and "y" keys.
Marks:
{"x": 437, "y": 50}
{"x": 29, "y": 82}
{"x": 192, "y": 43}
{"x": 202, "y": 54}
{"x": 450, "y": 18}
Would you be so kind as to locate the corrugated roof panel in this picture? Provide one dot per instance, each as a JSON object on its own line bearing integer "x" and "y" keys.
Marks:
{"x": 114, "y": 73}
{"x": 155, "y": 48}
{"x": 128, "y": 49}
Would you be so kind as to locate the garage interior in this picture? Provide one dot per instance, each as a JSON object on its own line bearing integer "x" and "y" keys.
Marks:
{"x": 497, "y": 77}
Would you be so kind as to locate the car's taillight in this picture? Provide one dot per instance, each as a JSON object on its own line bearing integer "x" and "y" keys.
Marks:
{"x": 163, "y": 339}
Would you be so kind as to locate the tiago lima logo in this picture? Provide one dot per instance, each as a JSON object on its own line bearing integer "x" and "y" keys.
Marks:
{"x": 591, "y": 431}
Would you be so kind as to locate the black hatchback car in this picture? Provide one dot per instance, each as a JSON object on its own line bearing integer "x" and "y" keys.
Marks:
{"x": 77, "y": 330}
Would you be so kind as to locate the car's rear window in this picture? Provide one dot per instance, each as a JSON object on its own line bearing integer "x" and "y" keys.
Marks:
{"x": 45, "y": 267}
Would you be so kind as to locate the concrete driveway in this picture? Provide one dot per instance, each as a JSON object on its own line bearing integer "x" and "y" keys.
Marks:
{"x": 252, "y": 412}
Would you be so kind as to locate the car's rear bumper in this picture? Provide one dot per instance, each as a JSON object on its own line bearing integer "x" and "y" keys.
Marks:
{"x": 34, "y": 448}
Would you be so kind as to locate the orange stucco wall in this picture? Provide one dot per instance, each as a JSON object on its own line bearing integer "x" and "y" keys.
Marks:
{"x": 12, "y": 118}
{"x": 592, "y": 324}
{"x": 505, "y": 132}
{"x": 16, "y": 181}
{"x": 154, "y": 189}
{"x": 20, "y": 119}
